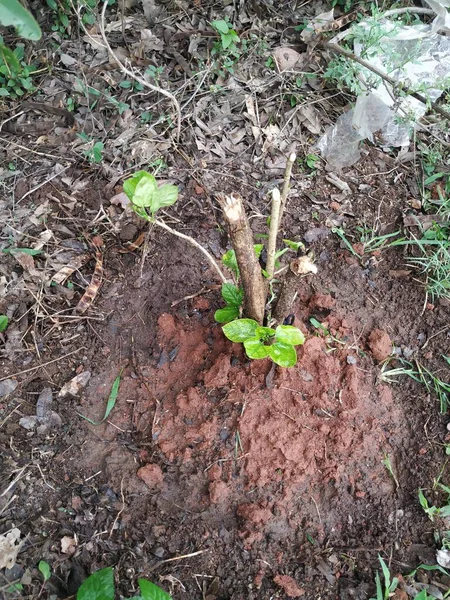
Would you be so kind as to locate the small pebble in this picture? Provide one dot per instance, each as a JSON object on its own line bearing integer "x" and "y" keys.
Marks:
{"x": 351, "y": 360}
{"x": 7, "y": 387}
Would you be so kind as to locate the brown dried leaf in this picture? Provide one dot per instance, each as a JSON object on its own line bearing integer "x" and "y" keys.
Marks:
{"x": 286, "y": 58}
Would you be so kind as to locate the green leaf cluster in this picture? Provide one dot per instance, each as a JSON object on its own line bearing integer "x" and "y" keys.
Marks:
{"x": 228, "y": 36}
{"x": 233, "y": 296}
{"x": 145, "y": 195}
{"x": 262, "y": 342}
{"x": 100, "y": 586}
{"x": 15, "y": 78}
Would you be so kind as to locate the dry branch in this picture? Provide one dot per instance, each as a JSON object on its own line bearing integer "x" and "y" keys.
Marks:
{"x": 249, "y": 268}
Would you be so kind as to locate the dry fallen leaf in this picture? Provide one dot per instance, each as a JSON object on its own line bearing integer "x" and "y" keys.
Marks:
{"x": 75, "y": 385}
{"x": 68, "y": 545}
{"x": 9, "y": 548}
{"x": 286, "y": 58}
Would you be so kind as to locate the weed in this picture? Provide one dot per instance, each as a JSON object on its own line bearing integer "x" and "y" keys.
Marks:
{"x": 111, "y": 400}
{"x": 388, "y": 464}
{"x": 15, "y": 74}
{"x": 424, "y": 376}
{"x": 386, "y": 590}
{"x": 62, "y": 12}
{"x": 226, "y": 49}
{"x": 94, "y": 154}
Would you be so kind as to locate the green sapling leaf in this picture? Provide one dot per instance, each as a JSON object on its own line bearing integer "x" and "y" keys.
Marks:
{"x": 264, "y": 333}
{"x": 98, "y": 586}
{"x": 232, "y": 294}
{"x": 166, "y": 195}
{"x": 240, "y": 330}
{"x": 227, "y": 314}
{"x": 151, "y": 591}
{"x": 129, "y": 185}
{"x": 289, "y": 335}
{"x": 144, "y": 192}
{"x": 229, "y": 260}
{"x": 255, "y": 348}
{"x": 283, "y": 355}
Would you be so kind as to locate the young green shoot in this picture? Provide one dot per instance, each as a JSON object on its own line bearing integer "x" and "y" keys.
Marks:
{"x": 147, "y": 198}
{"x": 262, "y": 342}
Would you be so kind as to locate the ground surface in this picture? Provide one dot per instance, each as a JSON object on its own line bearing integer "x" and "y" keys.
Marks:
{"x": 258, "y": 484}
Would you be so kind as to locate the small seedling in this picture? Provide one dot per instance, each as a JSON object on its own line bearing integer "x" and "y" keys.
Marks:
{"x": 145, "y": 195}
{"x": 387, "y": 463}
{"x": 44, "y": 568}
{"x": 384, "y": 592}
{"x": 95, "y": 153}
{"x": 262, "y": 342}
{"x": 228, "y": 36}
{"x": 111, "y": 401}
{"x": 100, "y": 585}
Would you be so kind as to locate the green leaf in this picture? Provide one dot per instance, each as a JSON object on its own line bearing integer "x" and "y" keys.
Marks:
{"x": 232, "y": 294}
{"x": 227, "y": 314}
{"x": 229, "y": 260}
{"x": 227, "y": 40}
{"x": 294, "y": 245}
{"x": 111, "y": 400}
{"x": 3, "y": 322}
{"x": 256, "y": 349}
{"x": 98, "y": 586}
{"x": 166, "y": 195}
{"x": 264, "y": 333}
{"x": 289, "y": 335}
{"x": 221, "y": 26}
{"x": 9, "y": 58}
{"x": 129, "y": 185}
{"x": 13, "y": 13}
{"x": 144, "y": 190}
{"x": 150, "y": 591}
{"x": 283, "y": 355}
{"x": 44, "y": 567}
{"x": 240, "y": 330}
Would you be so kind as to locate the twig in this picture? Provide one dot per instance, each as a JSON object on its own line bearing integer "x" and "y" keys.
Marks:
{"x": 287, "y": 180}
{"x": 395, "y": 84}
{"x": 41, "y": 366}
{"x": 191, "y": 240}
{"x": 167, "y": 560}
{"x": 273, "y": 232}
{"x": 131, "y": 74}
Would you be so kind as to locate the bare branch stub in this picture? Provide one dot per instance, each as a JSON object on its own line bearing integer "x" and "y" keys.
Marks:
{"x": 242, "y": 240}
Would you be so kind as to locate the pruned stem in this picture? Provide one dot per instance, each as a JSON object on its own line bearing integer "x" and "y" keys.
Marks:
{"x": 249, "y": 268}
{"x": 273, "y": 232}
{"x": 191, "y": 240}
